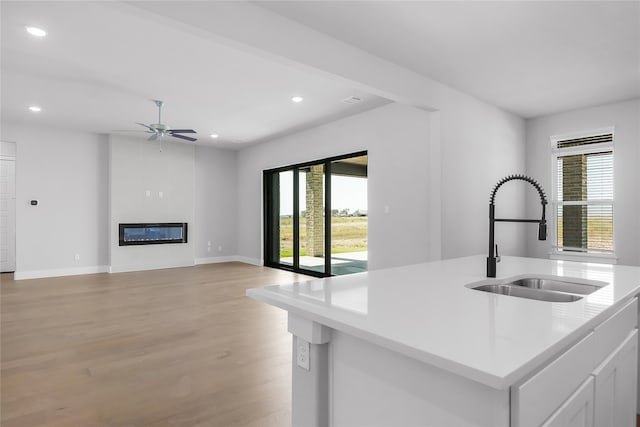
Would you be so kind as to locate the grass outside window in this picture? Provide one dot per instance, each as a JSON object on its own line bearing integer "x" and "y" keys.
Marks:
{"x": 349, "y": 234}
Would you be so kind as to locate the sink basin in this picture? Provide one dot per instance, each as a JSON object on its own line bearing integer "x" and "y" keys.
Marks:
{"x": 555, "y": 285}
{"x": 549, "y": 288}
{"x": 528, "y": 292}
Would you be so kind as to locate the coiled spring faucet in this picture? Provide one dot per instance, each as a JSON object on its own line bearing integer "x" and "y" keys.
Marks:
{"x": 493, "y": 257}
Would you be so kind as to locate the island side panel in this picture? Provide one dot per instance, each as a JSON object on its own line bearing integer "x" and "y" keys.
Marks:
{"x": 310, "y": 388}
{"x": 373, "y": 386}
{"x": 310, "y": 372}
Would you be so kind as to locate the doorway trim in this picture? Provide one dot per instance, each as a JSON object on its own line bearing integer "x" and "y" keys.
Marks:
{"x": 8, "y": 159}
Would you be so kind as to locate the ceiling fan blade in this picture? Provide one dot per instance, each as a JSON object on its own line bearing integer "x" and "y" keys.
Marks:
{"x": 182, "y": 131}
{"x": 188, "y": 138}
{"x": 153, "y": 137}
{"x": 147, "y": 126}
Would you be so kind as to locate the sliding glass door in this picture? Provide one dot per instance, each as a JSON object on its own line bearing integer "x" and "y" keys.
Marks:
{"x": 311, "y": 213}
{"x": 349, "y": 215}
{"x": 301, "y": 204}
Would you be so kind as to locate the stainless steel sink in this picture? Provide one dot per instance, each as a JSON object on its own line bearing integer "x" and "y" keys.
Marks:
{"x": 530, "y": 293}
{"x": 540, "y": 288}
{"x": 555, "y": 285}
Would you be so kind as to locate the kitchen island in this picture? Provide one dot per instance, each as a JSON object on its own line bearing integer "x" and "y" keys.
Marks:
{"x": 415, "y": 346}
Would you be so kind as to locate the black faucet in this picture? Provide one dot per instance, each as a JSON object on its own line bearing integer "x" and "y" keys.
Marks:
{"x": 493, "y": 257}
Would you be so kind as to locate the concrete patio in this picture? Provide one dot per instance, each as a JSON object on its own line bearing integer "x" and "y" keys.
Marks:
{"x": 342, "y": 263}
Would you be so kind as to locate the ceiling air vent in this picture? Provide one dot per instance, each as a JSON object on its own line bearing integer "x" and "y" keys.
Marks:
{"x": 352, "y": 100}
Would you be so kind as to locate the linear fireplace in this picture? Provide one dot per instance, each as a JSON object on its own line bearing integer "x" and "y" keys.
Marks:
{"x": 152, "y": 233}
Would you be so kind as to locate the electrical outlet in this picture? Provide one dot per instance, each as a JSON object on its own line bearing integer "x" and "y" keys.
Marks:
{"x": 302, "y": 353}
{"x": 77, "y": 257}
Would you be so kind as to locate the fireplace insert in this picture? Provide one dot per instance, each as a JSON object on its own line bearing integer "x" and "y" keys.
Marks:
{"x": 152, "y": 233}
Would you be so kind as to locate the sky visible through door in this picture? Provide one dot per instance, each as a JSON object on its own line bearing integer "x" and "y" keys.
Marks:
{"x": 346, "y": 193}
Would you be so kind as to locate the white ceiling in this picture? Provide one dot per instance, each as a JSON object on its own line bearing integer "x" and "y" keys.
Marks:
{"x": 103, "y": 62}
{"x": 528, "y": 57}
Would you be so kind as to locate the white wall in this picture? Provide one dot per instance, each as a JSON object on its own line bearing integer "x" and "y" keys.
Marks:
{"x": 149, "y": 184}
{"x": 397, "y": 140}
{"x": 625, "y": 118}
{"x": 215, "y": 204}
{"x": 66, "y": 171}
{"x": 480, "y": 144}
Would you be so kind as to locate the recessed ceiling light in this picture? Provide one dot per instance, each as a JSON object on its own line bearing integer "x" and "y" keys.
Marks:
{"x": 35, "y": 108}
{"x": 35, "y": 31}
{"x": 214, "y": 135}
{"x": 297, "y": 99}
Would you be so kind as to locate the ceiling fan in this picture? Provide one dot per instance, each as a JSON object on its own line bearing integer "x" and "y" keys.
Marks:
{"x": 159, "y": 129}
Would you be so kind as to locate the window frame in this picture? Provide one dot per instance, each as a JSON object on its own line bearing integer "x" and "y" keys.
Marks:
{"x": 588, "y": 256}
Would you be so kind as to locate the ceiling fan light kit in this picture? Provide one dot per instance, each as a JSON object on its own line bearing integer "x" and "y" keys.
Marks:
{"x": 159, "y": 130}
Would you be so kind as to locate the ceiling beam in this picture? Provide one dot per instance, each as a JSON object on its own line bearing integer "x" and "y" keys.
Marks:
{"x": 251, "y": 28}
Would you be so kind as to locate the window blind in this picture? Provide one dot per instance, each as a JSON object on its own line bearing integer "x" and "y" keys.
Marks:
{"x": 584, "y": 194}
{"x": 578, "y": 142}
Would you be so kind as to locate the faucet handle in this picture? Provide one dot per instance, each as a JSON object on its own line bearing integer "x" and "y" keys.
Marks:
{"x": 497, "y": 255}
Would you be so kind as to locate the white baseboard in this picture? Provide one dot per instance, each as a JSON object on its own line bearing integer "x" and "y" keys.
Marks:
{"x": 57, "y": 272}
{"x": 247, "y": 260}
{"x": 215, "y": 260}
{"x": 128, "y": 268}
{"x": 232, "y": 258}
{"x": 39, "y": 274}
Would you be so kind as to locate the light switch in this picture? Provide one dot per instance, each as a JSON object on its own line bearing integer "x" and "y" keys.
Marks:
{"x": 160, "y": 194}
{"x": 148, "y": 193}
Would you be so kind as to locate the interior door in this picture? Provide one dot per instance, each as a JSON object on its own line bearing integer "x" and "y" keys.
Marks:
{"x": 7, "y": 214}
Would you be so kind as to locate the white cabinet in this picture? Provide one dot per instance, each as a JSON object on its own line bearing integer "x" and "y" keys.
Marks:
{"x": 615, "y": 386}
{"x": 593, "y": 383}
{"x": 577, "y": 411}
{"x": 536, "y": 399}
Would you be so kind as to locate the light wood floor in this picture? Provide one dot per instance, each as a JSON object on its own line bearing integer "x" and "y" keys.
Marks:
{"x": 178, "y": 347}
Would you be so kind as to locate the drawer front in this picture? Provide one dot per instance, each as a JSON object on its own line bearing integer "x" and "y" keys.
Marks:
{"x": 537, "y": 398}
{"x": 616, "y": 329}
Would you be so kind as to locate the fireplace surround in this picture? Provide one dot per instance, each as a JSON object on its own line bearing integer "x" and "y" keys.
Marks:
{"x": 152, "y": 233}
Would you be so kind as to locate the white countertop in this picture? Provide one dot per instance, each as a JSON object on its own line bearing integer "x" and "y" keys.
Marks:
{"x": 425, "y": 311}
